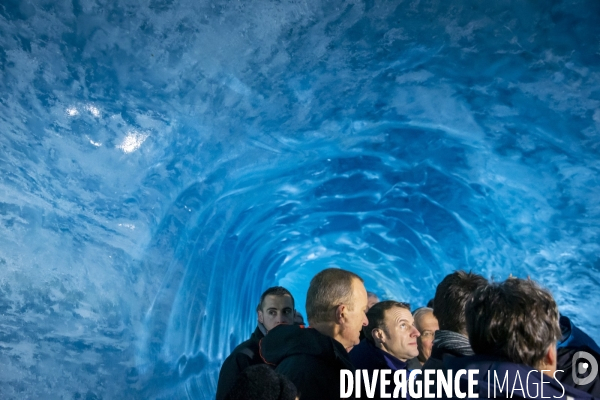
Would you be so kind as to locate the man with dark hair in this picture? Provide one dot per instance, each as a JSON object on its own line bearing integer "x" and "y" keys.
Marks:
{"x": 516, "y": 320}
{"x": 276, "y": 307}
{"x": 451, "y": 296}
{"x": 513, "y": 329}
{"x": 390, "y": 339}
{"x": 312, "y": 358}
{"x": 450, "y": 299}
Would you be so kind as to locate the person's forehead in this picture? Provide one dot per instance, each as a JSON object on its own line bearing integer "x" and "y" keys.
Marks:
{"x": 276, "y": 301}
{"x": 359, "y": 291}
{"x": 398, "y": 313}
{"x": 428, "y": 322}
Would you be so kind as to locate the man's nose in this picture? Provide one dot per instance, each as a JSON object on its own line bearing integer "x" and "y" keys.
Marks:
{"x": 415, "y": 332}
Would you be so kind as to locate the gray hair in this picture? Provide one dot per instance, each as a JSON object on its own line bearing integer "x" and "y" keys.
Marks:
{"x": 421, "y": 312}
{"x": 328, "y": 289}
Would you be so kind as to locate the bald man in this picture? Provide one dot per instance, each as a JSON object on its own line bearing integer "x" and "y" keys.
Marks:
{"x": 427, "y": 325}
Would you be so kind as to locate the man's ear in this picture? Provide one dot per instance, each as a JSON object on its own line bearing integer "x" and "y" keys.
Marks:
{"x": 550, "y": 358}
{"x": 378, "y": 335}
{"x": 340, "y": 314}
{"x": 261, "y": 318}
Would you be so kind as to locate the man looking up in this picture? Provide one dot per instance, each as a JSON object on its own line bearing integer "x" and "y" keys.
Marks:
{"x": 312, "y": 358}
{"x": 390, "y": 339}
{"x": 276, "y": 307}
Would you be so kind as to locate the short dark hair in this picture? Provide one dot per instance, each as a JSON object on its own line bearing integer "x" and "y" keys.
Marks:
{"x": 376, "y": 316}
{"x": 328, "y": 289}
{"x": 451, "y": 297}
{"x": 274, "y": 291}
{"x": 261, "y": 382}
{"x": 515, "y": 319}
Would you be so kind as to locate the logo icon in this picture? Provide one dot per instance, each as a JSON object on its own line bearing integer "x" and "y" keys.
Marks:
{"x": 583, "y": 367}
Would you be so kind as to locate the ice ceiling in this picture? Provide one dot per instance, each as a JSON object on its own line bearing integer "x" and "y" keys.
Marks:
{"x": 163, "y": 162}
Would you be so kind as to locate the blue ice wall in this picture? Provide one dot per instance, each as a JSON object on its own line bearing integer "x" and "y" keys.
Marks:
{"x": 163, "y": 162}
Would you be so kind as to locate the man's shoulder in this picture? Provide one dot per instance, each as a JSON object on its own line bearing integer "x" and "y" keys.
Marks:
{"x": 433, "y": 363}
{"x": 247, "y": 349}
{"x": 287, "y": 341}
{"x": 414, "y": 363}
{"x": 364, "y": 356}
{"x": 242, "y": 357}
{"x": 315, "y": 377}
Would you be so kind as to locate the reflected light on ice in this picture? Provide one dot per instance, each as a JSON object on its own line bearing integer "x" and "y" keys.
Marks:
{"x": 132, "y": 141}
{"x": 95, "y": 144}
{"x": 72, "y": 111}
{"x": 93, "y": 110}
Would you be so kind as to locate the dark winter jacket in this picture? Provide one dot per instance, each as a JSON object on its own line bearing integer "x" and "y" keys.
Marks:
{"x": 574, "y": 340}
{"x": 242, "y": 357}
{"x": 367, "y": 356}
{"x": 311, "y": 360}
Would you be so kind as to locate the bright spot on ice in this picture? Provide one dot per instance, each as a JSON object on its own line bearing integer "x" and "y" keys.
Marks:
{"x": 93, "y": 110}
{"x": 97, "y": 144}
{"x": 128, "y": 226}
{"x": 72, "y": 111}
{"x": 132, "y": 141}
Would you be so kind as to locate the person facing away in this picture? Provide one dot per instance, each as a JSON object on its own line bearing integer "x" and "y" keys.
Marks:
{"x": 513, "y": 330}
{"x": 390, "y": 340}
{"x": 276, "y": 307}
{"x": 451, "y": 296}
{"x": 260, "y": 382}
{"x": 427, "y": 324}
{"x": 313, "y": 357}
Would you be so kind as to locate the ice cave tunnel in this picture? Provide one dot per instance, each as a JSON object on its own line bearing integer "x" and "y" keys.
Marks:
{"x": 163, "y": 162}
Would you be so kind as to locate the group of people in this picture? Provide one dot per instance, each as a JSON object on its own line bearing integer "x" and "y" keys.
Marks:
{"x": 510, "y": 329}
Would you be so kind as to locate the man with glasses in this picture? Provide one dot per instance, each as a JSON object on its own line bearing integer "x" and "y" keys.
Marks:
{"x": 427, "y": 324}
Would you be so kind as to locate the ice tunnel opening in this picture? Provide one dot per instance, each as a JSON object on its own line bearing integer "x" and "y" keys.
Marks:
{"x": 399, "y": 215}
